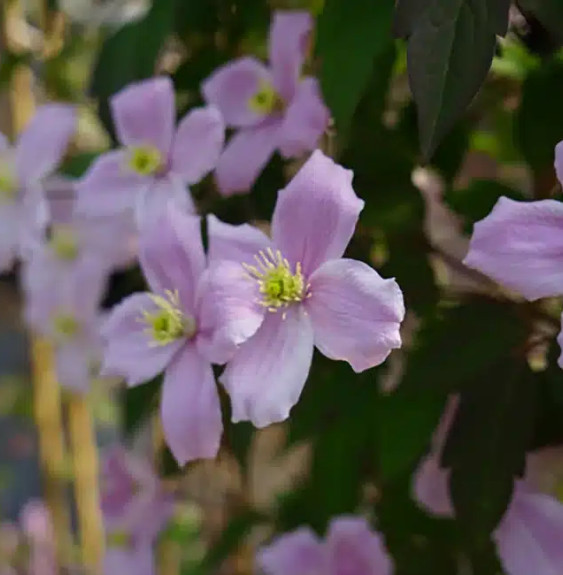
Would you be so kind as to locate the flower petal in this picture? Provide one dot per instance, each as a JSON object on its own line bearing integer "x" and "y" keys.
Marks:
{"x": 44, "y": 141}
{"x": 235, "y": 243}
{"x": 227, "y": 310}
{"x": 316, "y": 214}
{"x": 305, "y": 120}
{"x": 289, "y": 36}
{"x": 138, "y": 560}
{"x": 353, "y": 548}
{"x": 198, "y": 143}
{"x": 299, "y": 552}
{"x": 11, "y": 222}
{"x": 245, "y": 156}
{"x": 520, "y": 245}
{"x": 267, "y": 375}
{"x": 355, "y": 313}
{"x": 108, "y": 188}
{"x": 190, "y": 410}
{"x": 529, "y": 536}
{"x": 431, "y": 486}
{"x": 144, "y": 114}
{"x": 129, "y": 350}
{"x": 559, "y": 161}
{"x": 73, "y": 360}
{"x": 171, "y": 255}
{"x": 231, "y": 87}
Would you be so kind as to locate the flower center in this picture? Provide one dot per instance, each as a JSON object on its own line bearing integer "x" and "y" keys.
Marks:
{"x": 65, "y": 326}
{"x": 278, "y": 285}
{"x": 266, "y": 100}
{"x": 8, "y": 184}
{"x": 64, "y": 243}
{"x": 145, "y": 160}
{"x": 168, "y": 323}
{"x": 120, "y": 539}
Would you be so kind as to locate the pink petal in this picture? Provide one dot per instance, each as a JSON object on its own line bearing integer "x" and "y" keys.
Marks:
{"x": 231, "y": 87}
{"x": 228, "y": 314}
{"x": 267, "y": 375}
{"x": 198, "y": 143}
{"x": 190, "y": 410}
{"x": 316, "y": 214}
{"x": 289, "y": 36}
{"x": 172, "y": 257}
{"x": 109, "y": 188}
{"x": 124, "y": 560}
{"x": 245, "y": 156}
{"x": 44, "y": 142}
{"x": 529, "y": 536}
{"x": 129, "y": 351}
{"x": 236, "y": 243}
{"x": 356, "y": 314}
{"x": 559, "y": 161}
{"x": 144, "y": 114}
{"x": 305, "y": 120}
{"x": 431, "y": 486}
{"x": 292, "y": 553}
{"x": 354, "y": 549}
{"x": 73, "y": 360}
{"x": 520, "y": 245}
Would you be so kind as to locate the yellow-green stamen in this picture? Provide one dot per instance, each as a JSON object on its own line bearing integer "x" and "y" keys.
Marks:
{"x": 145, "y": 160}
{"x": 8, "y": 184}
{"x": 64, "y": 243}
{"x": 168, "y": 323}
{"x": 65, "y": 326}
{"x": 279, "y": 287}
{"x": 266, "y": 100}
{"x": 120, "y": 539}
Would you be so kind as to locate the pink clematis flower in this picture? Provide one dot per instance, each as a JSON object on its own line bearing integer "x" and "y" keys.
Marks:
{"x": 155, "y": 162}
{"x": 23, "y": 167}
{"x": 350, "y": 547}
{"x": 173, "y": 329}
{"x": 295, "y": 292}
{"x": 520, "y": 245}
{"x": 529, "y": 535}
{"x": 273, "y": 108}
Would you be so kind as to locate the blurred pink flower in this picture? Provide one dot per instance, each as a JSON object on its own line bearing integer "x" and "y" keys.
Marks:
{"x": 156, "y": 161}
{"x": 23, "y": 167}
{"x": 274, "y": 108}
{"x": 350, "y": 548}
{"x": 295, "y": 292}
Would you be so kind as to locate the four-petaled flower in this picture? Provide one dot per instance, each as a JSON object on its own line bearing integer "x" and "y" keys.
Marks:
{"x": 24, "y": 212}
{"x": 154, "y": 163}
{"x": 273, "y": 108}
{"x": 296, "y": 292}
{"x": 351, "y": 547}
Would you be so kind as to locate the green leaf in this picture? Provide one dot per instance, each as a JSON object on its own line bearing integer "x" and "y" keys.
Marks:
{"x": 487, "y": 443}
{"x": 450, "y": 50}
{"x": 350, "y": 35}
{"x": 138, "y": 403}
{"x": 539, "y": 122}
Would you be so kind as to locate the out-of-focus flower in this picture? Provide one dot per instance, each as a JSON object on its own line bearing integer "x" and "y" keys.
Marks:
{"x": 273, "y": 108}
{"x": 155, "y": 162}
{"x": 529, "y": 535}
{"x": 350, "y": 548}
{"x": 23, "y": 167}
{"x": 135, "y": 508}
{"x": 172, "y": 329}
{"x": 110, "y": 13}
{"x": 520, "y": 245}
{"x": 296, "y": 292}
{"x": 38, "y": 528}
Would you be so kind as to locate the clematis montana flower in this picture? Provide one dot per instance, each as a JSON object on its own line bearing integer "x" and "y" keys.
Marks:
{"x": 273, "y": 108}
{"x": 529, "y": 535}
{"x": 155, "y": 162}
{"x": 172, "y": 329}
{"x": 295, "y": 292}
{"x": 23, "y": 167}
{"x": 520, "y": 245}
{"x": 350, "y": 547}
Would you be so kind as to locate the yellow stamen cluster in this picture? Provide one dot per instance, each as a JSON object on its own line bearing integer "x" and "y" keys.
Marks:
{"x": 64, "y": 243}
{"x": 65, "y": 326}
{"x": 120, "y": 539}
{"x": 266, "y": 100}
{"x": 278, "y": 285}
{"x": 145, "y": 160}
{"x": 168, "y": 323}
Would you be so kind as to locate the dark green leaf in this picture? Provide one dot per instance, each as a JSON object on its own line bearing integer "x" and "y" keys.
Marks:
{"x": 139, "y": 403}
{"x": 350, "y": 35}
